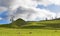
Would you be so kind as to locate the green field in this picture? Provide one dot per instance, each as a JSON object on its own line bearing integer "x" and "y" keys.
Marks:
{"x": 28, "y": 32}
{"x": 40, "y": 28}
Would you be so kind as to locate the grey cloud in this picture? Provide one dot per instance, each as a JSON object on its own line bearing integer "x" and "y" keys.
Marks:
{"x": 22, "y": 10}
{"x": 5, "y": 3}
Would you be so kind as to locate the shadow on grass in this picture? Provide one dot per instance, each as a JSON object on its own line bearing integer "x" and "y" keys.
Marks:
{"x": 23, "y": 27}
{"x": 5, "y": 26}
{"x": 53, "y": 26}
{"x": 33, "y": 27}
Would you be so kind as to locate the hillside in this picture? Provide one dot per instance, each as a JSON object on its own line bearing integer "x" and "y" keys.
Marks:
{"x": 20, "y": 23}
{"x": 31, "y": 28}
{"x": 15, "y": 24}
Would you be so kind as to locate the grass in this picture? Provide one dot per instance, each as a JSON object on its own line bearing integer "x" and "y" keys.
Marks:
{"x": 40, "y": 28}
{"x": 26, "y": 32}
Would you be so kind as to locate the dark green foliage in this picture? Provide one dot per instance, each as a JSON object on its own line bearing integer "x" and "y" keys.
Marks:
{"x": 18, "y": 23}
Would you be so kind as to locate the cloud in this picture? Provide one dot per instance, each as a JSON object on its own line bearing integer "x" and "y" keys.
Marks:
{"x": 51, "y": 7}
{"x": 0, "y": 18}
{"x": 26, "y": 9}
{"x": 32, "y": 13}
{"x": 47, "y": 2}
{"x": 57, "y": 2}
{"x": 2, "y": 9}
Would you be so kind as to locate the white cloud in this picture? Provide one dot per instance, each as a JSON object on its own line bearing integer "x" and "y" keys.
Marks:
{"x": 33, "y": 13}
{"x": 26, "y": 9}
{"x": 47, "y": 2}
{"x": 57, "y": 2}
{"x": 0, "y": 18}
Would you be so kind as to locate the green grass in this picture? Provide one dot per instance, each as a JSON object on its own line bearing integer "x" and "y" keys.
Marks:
{"x": 40, "y": 28}
{"x": 26, "y": 32}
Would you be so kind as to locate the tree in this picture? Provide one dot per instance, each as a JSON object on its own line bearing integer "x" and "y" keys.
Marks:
{"x": 46, "y": 18}
{"x": 12, "y": 18}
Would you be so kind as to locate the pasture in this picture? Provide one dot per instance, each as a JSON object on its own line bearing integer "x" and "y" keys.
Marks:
{"x": 40, "y": 28}
{"x": 28, "y": 32}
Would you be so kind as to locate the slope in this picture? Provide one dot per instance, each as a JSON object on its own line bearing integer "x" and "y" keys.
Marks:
{"x": 45, "y": 24}
{"x": 16, "y": 24}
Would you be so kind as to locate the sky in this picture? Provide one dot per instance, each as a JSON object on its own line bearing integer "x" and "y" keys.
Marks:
{"x": 29, "y": 10}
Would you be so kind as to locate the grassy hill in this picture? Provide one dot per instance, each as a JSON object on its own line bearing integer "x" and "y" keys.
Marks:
{"x": 16, "y": 24}
{"x": 31, "y": 28}
{"x": 45, "y": 24}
